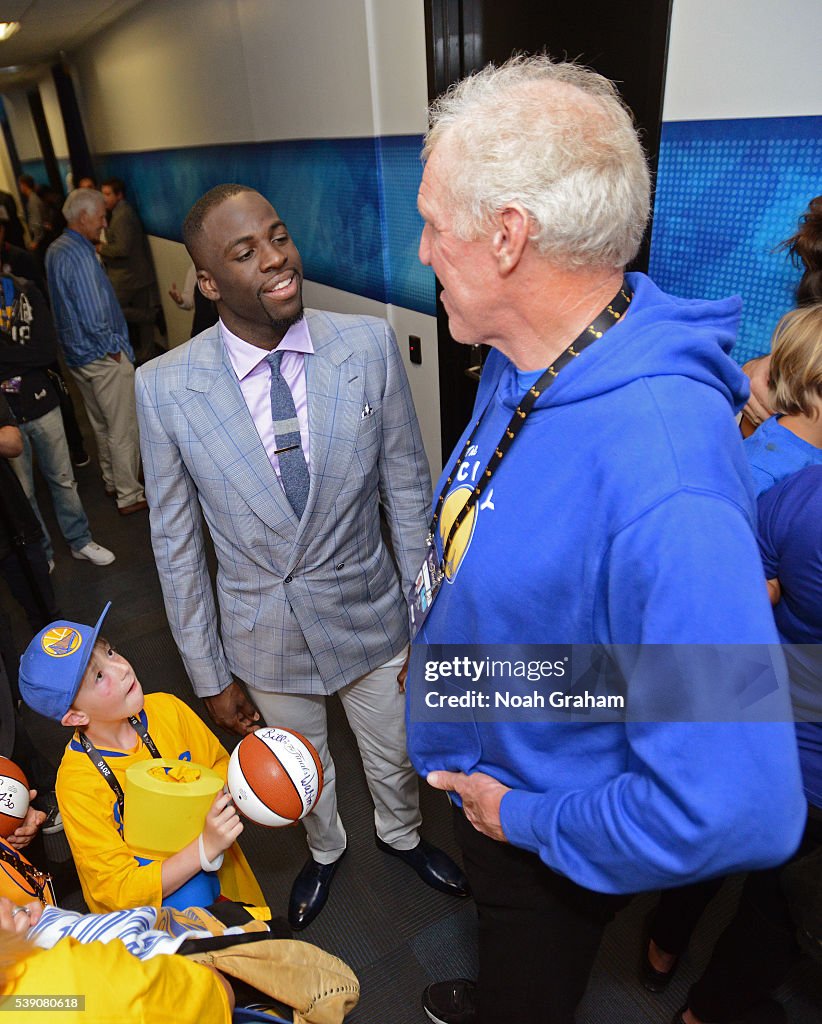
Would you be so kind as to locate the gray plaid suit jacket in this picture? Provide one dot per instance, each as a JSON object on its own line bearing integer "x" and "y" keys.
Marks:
{"x": 304, "y": 606}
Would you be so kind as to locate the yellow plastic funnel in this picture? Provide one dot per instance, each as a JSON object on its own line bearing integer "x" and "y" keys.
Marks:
{"x": 166, "y": 804}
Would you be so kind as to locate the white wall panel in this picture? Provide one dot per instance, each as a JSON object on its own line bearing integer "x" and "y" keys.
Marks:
{"x": 54, "y": 117}
{"x": 743, "y": 58}
{"x": 22, "y": 125}
{"x": 171, "y": 264}
{"x": 7, "y": 179}
{"x": 308, "y": 68}
{"x": 424, "y": 377}
{"x": 167, "y": 75}
{"x": 398, "y": 66}
{"x": 243, "y": 70}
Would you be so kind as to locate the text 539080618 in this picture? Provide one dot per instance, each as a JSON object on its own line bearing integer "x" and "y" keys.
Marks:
{"x": 20, "y": 1004}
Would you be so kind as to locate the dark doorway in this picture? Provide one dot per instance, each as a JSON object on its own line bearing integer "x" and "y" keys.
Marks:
{"x": 627, "y": 44}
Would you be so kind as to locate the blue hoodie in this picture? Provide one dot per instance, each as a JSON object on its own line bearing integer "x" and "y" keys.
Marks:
{"x": 623, "y": 514}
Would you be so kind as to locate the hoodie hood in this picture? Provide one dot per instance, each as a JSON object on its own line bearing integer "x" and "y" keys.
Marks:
{"x": 659, "y": 336}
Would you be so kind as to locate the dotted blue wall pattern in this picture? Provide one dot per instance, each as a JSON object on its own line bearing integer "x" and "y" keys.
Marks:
{"x": 728, "y": 192}
{"x": 349, "y": 203}
{"x": 400, "y": 173}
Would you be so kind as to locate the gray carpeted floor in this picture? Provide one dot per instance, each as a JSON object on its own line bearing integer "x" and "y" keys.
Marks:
{"x": 395, "y": 932}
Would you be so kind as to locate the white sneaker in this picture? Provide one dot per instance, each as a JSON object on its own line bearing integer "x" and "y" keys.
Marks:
{"x": 53, "y": 824}
{"x": 54, "y": 819}
{"x": 94, "y": 553}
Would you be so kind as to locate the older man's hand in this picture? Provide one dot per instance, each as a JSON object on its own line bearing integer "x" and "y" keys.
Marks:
{"x": 481, "y": 798}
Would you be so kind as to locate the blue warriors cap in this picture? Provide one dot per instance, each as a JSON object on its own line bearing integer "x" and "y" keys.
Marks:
{"x": 53, "y": 664}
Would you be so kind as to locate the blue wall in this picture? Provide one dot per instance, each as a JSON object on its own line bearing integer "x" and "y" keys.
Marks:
{"x": 349, "y": 203}
{"x": 37, "y": 169}
{"x": 728, "y": 192}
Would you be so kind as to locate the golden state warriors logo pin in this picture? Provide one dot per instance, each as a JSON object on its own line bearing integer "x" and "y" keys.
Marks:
{"x": 61, "y": 641}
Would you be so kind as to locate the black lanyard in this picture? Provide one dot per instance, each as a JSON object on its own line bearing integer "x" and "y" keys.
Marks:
{"x": 102, "y": 765}
{"x": 604, "y": 320}
{"x": 37, "y": 880}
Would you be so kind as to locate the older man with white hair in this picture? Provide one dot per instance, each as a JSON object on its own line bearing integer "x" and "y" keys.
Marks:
{"x": 93, "y": 334}
{"x": 599, "y": 499}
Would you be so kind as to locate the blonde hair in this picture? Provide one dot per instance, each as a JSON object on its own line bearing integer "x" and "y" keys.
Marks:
{"x": 795, "y": 383}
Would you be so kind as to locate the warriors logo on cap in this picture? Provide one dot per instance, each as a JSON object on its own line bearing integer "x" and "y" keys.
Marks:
{"x": 61, "y": 641}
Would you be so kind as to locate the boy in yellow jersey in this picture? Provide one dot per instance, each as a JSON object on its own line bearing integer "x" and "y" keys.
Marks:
{"x": 71, "y": 674}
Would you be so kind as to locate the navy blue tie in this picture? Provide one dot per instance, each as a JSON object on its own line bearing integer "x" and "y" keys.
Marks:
{"x": 293, "y": 467}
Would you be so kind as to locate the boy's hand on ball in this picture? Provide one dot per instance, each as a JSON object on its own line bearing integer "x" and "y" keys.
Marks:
{"x": 481, "y": 798}
{"x": 222, "y": 826}
{"x": 28, "y": 827}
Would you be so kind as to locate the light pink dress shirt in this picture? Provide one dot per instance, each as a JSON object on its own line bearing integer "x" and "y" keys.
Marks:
{"x": 254, "y": 375}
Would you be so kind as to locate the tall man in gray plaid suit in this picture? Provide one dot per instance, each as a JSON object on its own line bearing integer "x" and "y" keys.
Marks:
{"x": 310, "y": 602}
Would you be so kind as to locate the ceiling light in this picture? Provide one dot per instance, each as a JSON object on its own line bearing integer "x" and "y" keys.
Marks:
{"x": 7, "y": 29}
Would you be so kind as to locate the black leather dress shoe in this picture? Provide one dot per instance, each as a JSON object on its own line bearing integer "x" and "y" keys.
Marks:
{"x": 651, "y": 978}
{"x": 433, "y": 866}
{"x": 310, "y": 891}
{"x": 451, "y": 1002}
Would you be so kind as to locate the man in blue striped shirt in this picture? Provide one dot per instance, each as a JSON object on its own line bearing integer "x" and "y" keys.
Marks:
{"x": 94, "y": 337}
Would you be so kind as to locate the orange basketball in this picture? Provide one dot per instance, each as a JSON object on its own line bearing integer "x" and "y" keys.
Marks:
{"x": 275, "y": 777}
{"x": 14, "y": 796}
